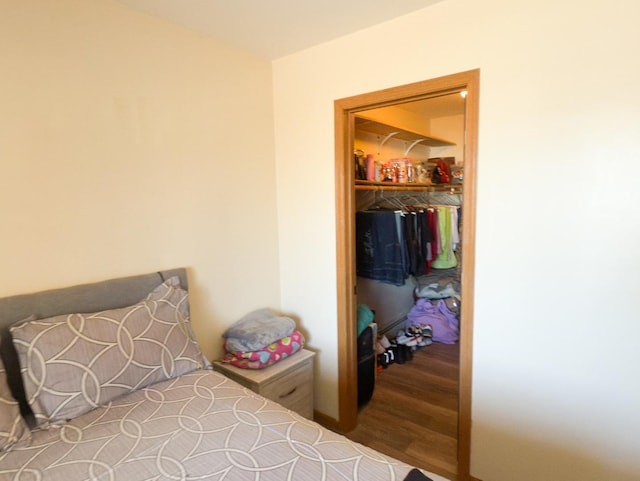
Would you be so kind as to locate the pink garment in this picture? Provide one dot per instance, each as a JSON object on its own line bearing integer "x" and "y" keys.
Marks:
{"x": 274, "y": 352}
{"x": 443, "y": 322}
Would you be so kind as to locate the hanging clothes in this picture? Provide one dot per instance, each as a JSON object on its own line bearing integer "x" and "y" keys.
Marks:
{"x": 448, "y": 230}
{"x": 413, "y": 226}
{"x": 380, "y": 254}
{"x": 393, "y": 244}
{"x": 426, "y": 238}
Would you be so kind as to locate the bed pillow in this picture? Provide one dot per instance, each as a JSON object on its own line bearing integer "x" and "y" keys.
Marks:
{"x": 73, "y": 363}
{"x": 274, "y": 352}
{"x": 13, "y": 430}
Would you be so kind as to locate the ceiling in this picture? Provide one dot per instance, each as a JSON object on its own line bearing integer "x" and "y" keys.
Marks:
{"x": 434, "y": 107}
{"x": 275, "y": 28}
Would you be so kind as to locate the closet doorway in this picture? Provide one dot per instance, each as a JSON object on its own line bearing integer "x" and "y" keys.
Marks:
{"x": 346, "y": 112}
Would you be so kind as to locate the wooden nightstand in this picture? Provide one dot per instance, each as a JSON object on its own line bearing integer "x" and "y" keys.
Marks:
{"x": 288, "y": 382}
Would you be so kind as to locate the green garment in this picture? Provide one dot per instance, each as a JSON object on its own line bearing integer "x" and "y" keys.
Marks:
{"x": 447, "y": 259}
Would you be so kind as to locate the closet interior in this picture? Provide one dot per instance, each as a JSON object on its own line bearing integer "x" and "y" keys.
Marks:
{"x": 409, "y": 170}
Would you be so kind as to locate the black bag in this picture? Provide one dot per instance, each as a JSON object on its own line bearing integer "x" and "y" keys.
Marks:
{"x": 366, "y": 366}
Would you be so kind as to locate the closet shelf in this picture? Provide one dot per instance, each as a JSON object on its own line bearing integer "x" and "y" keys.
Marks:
{"x": 373, "y": 127}
{"x": 369, "y": 185}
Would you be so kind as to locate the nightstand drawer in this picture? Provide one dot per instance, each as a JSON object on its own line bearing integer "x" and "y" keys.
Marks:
{"x": 288, "y": 382}
{"x": 293, "y": 390}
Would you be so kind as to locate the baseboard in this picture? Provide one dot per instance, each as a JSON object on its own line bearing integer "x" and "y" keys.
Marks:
{"x": 462, "y": 477}
{"x": 326, "y": 421}
{"x": 393, "y": 326}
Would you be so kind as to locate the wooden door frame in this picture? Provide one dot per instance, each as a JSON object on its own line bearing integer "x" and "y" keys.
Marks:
{"x": 344, "y": 110}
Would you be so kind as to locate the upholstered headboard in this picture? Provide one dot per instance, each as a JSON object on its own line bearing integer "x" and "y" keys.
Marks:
{"x": 84, "y": 298}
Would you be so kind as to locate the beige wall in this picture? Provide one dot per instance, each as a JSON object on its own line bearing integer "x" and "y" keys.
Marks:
{"x": 121, "y": 138}
{"x": 128, "y": 145}
{"x": 556, "y": 390}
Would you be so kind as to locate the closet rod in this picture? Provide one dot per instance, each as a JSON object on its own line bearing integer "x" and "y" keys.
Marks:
{"x": 399, "y": 188}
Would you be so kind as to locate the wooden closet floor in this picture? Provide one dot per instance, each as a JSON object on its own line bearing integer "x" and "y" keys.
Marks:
{"x": 413, "y": 414}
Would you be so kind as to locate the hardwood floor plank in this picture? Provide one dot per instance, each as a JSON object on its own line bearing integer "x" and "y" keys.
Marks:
{"x": 413, "y": 414}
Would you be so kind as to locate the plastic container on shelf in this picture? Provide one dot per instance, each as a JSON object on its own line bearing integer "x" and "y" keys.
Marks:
{"x": 370, "y": 167}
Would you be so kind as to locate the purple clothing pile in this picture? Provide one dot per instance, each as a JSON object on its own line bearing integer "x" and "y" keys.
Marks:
{"x": 444, "y": 323}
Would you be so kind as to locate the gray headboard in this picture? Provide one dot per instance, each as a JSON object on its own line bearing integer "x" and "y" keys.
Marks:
{"x": 94, "y": 297}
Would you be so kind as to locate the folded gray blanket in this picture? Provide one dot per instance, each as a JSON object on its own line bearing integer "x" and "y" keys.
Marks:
{"x": 257, "y": 330}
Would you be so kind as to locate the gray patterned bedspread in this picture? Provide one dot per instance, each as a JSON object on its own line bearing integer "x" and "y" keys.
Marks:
{"x": 198, "y": 426}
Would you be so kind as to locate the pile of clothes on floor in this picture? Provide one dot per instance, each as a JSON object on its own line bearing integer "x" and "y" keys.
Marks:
{"x": 435, "y": 317}
{"x": 400, "y": 348}
{"x": 438, "y": 304}
{"x": 261, "y": 339}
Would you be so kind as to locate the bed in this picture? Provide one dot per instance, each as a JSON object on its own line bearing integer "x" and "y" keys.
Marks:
{"x": 106, "y": 381}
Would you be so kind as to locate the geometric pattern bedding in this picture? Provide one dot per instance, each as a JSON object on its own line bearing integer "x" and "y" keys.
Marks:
{"x": 13, "y": 429}
{"x": 200, "y": 425}
{"x": 73, "y": 363}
